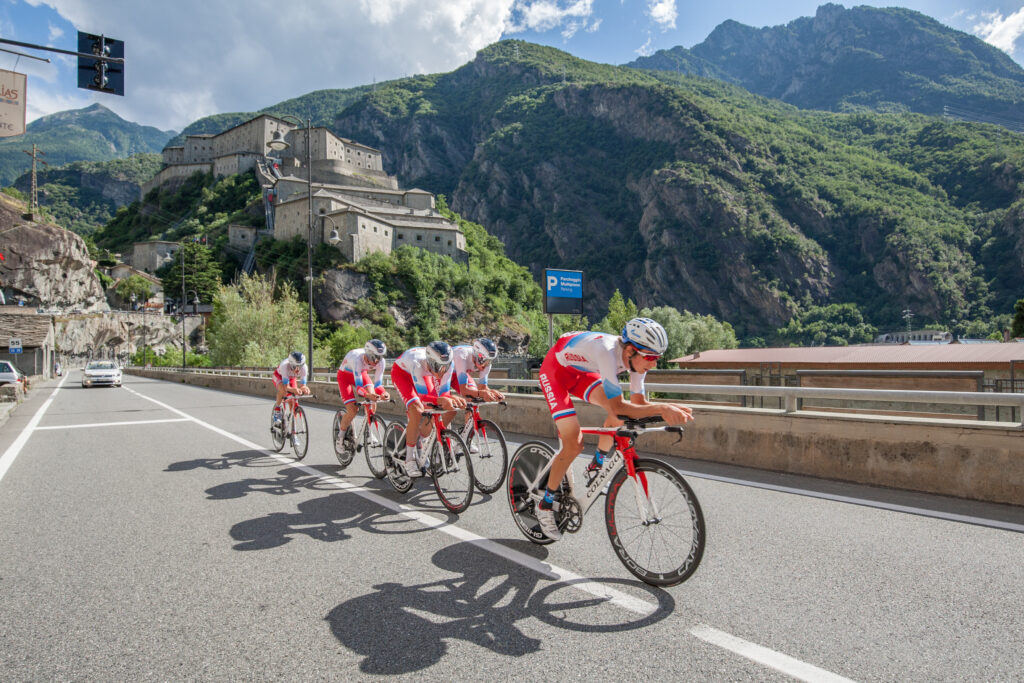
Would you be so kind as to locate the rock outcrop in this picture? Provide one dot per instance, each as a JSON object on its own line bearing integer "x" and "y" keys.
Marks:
{"x": 117, "y": 334}
{"x": 44, "y": 264}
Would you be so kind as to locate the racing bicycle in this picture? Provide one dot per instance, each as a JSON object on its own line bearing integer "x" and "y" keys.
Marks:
{"x": 292, "y": 427}
{"x": 371, "y": 441}
{"x": 652, "y": 516}
{"x": 490, "y": 457}
{"x": 448, "y": 461}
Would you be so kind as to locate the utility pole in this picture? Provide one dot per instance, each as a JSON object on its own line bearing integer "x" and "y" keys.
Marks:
{"x": 908, "y": 315}
{"x": 35, "y": 153}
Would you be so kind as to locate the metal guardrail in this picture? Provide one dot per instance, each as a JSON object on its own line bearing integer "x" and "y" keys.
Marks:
{"x": 790, "y": 396}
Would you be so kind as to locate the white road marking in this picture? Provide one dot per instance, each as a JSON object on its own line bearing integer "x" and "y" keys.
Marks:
{"x": 7, "y": 459}
{"x": 114, "y": 424}
{"x": 788, "y": 665}
{"x": 762, "y": 655}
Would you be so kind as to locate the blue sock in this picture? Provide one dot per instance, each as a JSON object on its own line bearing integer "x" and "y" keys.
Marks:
{"x": 549, "y": 499}
{"x": 598, "y": 457}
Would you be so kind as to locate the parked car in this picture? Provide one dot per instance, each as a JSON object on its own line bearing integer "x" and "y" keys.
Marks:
{"x": 101, "y": 373}
{"x": 9, "y": 373}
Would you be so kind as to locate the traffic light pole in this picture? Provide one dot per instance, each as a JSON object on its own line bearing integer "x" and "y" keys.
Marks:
{"x": 87, "y": 55}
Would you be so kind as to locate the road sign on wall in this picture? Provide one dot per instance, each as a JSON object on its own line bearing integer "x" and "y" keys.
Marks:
{"x": 563, "y": 291}
{"x": 14, "y": 345}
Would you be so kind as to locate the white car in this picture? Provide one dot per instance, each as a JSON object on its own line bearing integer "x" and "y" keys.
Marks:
{"x": 101, "y": 373}
{"x": 9, "y": 374}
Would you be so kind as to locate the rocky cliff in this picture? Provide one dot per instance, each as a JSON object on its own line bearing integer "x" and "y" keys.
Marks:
{"x": 47, "y": 266}
{"x": 117, "y": 334}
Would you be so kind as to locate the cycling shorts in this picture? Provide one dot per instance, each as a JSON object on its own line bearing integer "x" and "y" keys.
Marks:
{"x": 404, "y": 383}
{"x": 559, "y": 382}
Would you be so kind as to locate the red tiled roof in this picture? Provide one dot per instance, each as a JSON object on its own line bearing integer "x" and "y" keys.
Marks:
{"x": 873, "y": 355}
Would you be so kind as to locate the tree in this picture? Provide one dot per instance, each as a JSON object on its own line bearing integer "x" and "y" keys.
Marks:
{"x": 134, "y": 284}
{"x": 1017, "y": 328}
{"x": 832, "y": 325}
{"x": 202, "y": 272}
{"x": 619, "y": 313}
{"x": 250, "y": 327}
{"x": 688, "y": 332}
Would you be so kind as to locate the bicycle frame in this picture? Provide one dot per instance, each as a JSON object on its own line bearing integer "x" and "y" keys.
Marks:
{"x": 624, "y": 455}
{"x": 473, "y": 407}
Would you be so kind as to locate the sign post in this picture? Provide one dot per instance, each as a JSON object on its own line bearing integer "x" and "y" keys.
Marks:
{"x": 563, "y": 293}
{"x": 12, "y": 103}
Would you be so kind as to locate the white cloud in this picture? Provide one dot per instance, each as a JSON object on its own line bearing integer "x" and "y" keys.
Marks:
{"x": 544, "y": 15}
{"x": 1002, "y": 32}
{"x": 645, "y": 50}
{"x": 663, "y": 12}
{"x": 192, "y": 58}
{"x": 55, "y": 33}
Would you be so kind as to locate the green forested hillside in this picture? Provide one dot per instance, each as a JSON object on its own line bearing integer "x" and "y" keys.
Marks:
{"x": 694, "y": 193}
{"x": 84, "y": 195}
{"x": 91, "y": 134}
{"x": 862, "y": 58}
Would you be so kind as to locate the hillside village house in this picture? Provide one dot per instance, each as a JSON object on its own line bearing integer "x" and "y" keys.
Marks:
{"x": 37, "y": 340}
{"x": 351, "y": 191}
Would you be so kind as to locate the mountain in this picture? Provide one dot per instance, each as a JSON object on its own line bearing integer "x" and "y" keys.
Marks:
{"x": 863, "y": 58}
{"x": 84, "y": 195}
{"x": 91, "y": 134}
{"x": 694, "y": 193}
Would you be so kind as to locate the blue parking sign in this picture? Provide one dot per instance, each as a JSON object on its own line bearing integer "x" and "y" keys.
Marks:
{"x": 563, "y": 291}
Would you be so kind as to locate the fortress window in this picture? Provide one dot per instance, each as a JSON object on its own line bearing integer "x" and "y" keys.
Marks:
{"x": 419, "y": 238}
{"x": 401, "y": 235}
{"x": 437, "y": 238}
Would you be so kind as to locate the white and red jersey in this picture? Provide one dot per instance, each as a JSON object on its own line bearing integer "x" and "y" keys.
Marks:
{"x": 355, "y": 365}
{"x": 285, "y": 373}
{"x": 598, "y": 353}
{"x": 464, "y": 363}
{"x": 414, "y": 362}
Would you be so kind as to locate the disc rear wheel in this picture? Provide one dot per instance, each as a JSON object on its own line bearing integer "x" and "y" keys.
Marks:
{"x": 344, "y": 448}
{"x": 523, "y": 470}
{"x": 394, "y": 449}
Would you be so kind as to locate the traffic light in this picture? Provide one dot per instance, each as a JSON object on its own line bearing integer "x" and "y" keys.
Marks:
{"x": 99, "y": 74}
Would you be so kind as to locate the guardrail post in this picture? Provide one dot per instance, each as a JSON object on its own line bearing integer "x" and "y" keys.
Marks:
{"x": 792, "y": 405}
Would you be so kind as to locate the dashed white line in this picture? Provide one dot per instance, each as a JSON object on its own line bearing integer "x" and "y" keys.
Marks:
{"x": 776, "y": 660}
{"x": 113, "y": 424}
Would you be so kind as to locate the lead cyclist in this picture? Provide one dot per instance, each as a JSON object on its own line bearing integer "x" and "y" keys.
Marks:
{"x": 586, "y": 365}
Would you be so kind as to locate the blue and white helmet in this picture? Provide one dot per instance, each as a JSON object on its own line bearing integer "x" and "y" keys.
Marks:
{"x": 646, "y": 334}
{"x": 484, "y": 351}
{"x": 297, "y": 359}
{"x": 375, "y": 350}
{"x": 439, "y": 356}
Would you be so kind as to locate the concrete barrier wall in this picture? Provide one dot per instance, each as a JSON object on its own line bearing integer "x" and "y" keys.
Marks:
{"x": 981, "y": 462}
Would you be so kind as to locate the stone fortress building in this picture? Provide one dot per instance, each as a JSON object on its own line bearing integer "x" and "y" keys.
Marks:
{"x": 351, "y": 191}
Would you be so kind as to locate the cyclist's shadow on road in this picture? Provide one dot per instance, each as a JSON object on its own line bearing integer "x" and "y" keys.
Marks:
{"x": 328, "y": 518}
{"x": 226, "y": 461}
{"x": 401, "y": 629}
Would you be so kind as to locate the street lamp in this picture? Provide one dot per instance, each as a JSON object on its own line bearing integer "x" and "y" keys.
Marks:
{"x": 278, "y": 143}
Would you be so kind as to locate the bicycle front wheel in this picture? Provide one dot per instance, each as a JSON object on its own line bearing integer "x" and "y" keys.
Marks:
{"x": 277, "y": 434}
{"x": 491, "y": 460}
{"x": 655, "y": 523}
{"x": 452, "y": 471}
{"x": 344, "y": 450}
{"x": 394, "y": 454}
{"x": 300, "y": 433}
{"x": 374, "y": 445}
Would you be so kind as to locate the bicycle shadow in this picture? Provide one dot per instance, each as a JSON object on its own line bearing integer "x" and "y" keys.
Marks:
{"x": 402, "y": 629}
{"x": 290, "y": 481}
{"x": 328, "y": 519}
{"x": 247, "y": 458}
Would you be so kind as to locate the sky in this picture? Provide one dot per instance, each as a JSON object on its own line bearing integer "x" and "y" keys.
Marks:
{"x": 191, "y": 58}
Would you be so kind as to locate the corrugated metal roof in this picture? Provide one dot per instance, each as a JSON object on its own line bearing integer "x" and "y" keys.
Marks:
{"x": 873, "y": 354}
{"x": 33, "y": 330}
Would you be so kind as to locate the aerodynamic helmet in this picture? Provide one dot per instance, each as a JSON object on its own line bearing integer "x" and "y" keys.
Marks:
{"x": 646, "y": 334}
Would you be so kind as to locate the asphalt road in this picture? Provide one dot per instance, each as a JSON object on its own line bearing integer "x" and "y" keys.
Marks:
{"x": 147, "y": 534}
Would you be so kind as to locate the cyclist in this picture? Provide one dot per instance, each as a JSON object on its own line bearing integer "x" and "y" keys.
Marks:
{"x": 354, "y": 380}
{"x": 290, "y": 378}
{"x": 423, "y": 374}
{"x": 469, "y": 358}
{"x": 587, "y": 365}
